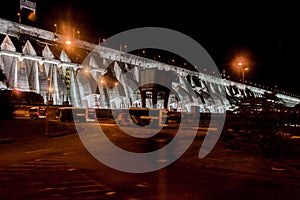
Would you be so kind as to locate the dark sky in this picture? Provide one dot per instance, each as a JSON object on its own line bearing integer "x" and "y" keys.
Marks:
{"x": 265, "y": 33}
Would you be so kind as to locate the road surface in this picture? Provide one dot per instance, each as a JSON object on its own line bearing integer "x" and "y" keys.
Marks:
{"x": 47, "y": 167}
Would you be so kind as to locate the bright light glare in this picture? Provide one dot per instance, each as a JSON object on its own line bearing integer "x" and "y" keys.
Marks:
{"x": 68, "y": 42}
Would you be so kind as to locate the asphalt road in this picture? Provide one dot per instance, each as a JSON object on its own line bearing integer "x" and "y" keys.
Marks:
{"x": 58, "y": 166}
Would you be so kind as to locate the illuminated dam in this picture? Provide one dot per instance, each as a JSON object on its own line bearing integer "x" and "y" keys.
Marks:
{"x": 37, "y": 60}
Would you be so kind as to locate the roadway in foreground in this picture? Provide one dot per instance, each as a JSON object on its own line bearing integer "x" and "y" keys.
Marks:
{"x": 45, "y": 167}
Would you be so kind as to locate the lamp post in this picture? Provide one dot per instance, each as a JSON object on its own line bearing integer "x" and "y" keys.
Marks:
{"x": 243, "y": 67}
{"x": 55, "y": 25}
{"x": 243, "y": 72}
{"x": 19, "y": 17}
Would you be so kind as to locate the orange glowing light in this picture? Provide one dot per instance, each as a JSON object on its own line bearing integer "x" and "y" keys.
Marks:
{"x": 240, "y": 62}
{"x": 32, "y": 16}
{"x": 68, "y": 42}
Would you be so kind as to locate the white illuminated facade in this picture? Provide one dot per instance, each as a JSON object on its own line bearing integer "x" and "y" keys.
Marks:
{"x": 38, "y": 60}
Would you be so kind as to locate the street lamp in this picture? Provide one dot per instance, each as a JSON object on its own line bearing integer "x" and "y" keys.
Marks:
{"x": 243, "y": 68}
{"x": 68, "y": 42}
{"x": 19, "y": 17}
{"x": 78, "y": 34}
{"x": 240, "y": 64}
{"x": 55, "y": 25}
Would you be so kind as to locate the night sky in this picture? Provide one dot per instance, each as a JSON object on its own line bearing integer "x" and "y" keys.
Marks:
{"x": 265, "y": 33}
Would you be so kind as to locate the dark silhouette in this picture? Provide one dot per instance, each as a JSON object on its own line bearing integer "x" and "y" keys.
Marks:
{"x": 6, "y": 108}
{"x": 3, "y": 77}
